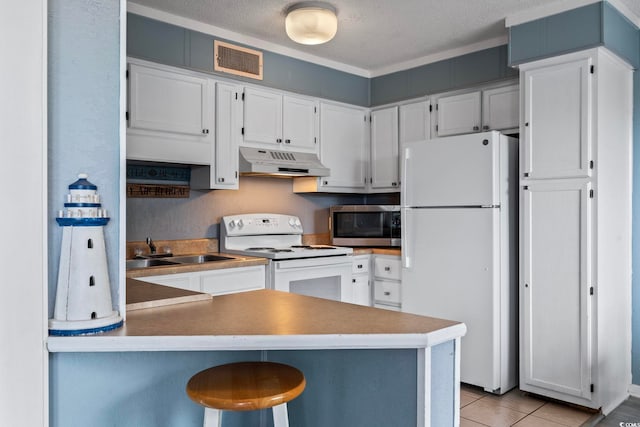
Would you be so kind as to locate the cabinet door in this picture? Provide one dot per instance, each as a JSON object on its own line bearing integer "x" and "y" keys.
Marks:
{"x": 228, "y": 125}
{"x": 500, "y": 108}
{"x": 166, "y": 101}
{"x": 361, "y": 289}
{"x": 554, "y": 290}
{"x": 170, "y": 115}
{"x": 300, "y": 124}
{"x": 262, "y": 118}
{"x": 384, "y": 149}
{"x": 557, "y": 124}
{"x": 343, "y": 145}
{"x": 458, "y": 114}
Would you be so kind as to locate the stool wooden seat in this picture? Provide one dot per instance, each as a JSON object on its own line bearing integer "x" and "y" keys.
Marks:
{"x": 246, "y": 386}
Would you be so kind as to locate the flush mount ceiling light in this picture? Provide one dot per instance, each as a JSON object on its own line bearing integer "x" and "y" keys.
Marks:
{"x": 311, "y": 22}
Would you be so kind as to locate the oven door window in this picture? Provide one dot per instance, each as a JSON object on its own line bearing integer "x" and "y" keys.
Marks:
{"x": 362, "y": 224}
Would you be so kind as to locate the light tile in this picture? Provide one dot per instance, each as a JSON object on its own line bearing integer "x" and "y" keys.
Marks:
{"x": 533, "y": 421}
{"x": 467, "y": 398}
{"x": 472, "y": 390}
{"x": 562, "y": 414}
{"x": 489, "y": 413}
{"x": 468, "y": 423}
{"x": 515, "y": 399}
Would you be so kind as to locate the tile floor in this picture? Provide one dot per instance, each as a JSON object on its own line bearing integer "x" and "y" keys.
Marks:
{"x": 515, "y": 408}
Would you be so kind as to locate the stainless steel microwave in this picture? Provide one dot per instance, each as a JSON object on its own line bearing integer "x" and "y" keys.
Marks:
{"x": 365, "y": 225}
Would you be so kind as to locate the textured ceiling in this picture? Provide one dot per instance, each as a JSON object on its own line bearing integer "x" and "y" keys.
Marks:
{"x": 373, "y": 35}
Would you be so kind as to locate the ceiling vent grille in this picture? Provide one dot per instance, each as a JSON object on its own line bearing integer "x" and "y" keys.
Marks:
{"x": 237, "y": 60}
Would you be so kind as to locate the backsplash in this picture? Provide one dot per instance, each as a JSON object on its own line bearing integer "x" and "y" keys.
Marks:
{"x": 199, "y": 215}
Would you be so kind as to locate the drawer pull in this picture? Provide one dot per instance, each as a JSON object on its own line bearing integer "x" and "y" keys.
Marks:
{"x": 387, "y": 293}
{"x": 353, "y": 280}
{"x": 359, "y": 265}
{"x": 387, "y": 268}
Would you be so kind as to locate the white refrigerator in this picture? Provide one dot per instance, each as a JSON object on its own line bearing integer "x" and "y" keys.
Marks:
{"x": 459, "y": 247}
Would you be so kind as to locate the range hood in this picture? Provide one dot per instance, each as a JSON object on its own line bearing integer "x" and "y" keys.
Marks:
{"x": 262, "y": 161}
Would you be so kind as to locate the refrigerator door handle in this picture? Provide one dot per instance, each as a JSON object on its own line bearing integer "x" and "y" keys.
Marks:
{"x": 405, "y": 254}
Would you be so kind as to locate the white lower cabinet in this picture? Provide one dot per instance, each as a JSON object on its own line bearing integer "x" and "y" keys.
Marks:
{"x": 214, "y": 282}
{"x": 361, "y": 280}
{"x": 387, "y": 281}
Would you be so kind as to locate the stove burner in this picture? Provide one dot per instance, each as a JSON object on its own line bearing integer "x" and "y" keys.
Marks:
{"x": 280, "y": 250}
{"x": 301, "y": 246}
{"x": 322, "y": 247}
{"x": 260, "y": 249}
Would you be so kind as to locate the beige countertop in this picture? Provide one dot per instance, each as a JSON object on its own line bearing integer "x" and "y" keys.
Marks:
{"x": 264, "y": 319}
{"x": 235, "y": 262}
{"x": 142, "y": 295}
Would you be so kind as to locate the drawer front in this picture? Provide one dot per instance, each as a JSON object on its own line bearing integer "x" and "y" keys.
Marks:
{"x": 188, "y": 281}
{"x": 387, "y": 268}
{"x": 387, "y": 292}
{"x": 232, "y": 280}
{"x": 360, "y": 264}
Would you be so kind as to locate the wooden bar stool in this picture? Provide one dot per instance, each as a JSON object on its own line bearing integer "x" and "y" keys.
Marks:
{"x": 246, "y": 386}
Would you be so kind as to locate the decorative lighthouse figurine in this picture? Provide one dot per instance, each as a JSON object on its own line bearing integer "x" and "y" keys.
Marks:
{"x": 83, "y": 298}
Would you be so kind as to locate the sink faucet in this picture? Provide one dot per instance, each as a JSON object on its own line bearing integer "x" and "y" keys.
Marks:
{"x": 151, "y": 245}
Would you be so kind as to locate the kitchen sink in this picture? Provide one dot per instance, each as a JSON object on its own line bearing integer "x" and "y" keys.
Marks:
{"x": 146, "y": 261}
{"x": 199, "y": 259}
{"x": 151, "y": 262}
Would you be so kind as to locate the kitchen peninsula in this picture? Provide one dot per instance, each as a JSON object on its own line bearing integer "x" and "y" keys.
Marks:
{"x": 364, "y": 366}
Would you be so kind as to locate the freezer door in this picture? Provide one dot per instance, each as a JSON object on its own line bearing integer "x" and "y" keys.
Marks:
{"x": 455, "y": 171}
{"x": 451, "y": 270}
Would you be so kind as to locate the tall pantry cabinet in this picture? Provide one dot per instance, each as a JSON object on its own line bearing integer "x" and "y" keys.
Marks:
{"x": 575, "y": 258}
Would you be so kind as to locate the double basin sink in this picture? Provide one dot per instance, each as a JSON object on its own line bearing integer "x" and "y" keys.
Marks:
{"x": 165, "y": 259}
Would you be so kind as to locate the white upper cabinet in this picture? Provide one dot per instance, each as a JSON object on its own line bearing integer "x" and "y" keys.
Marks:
{"x": 500, "y": 108}
{"x": 276, "y": 121}
{"x": 344, "y": 133}
{"x": 557, "y": 117}
{"x": 481, "y": 110}
{"x": 223, "y": 170}
{"x": 170, "y": 115}
{"x": 458, "y": 114}
{"x": 300, "y": 123}
{"x": 384, "y": 150}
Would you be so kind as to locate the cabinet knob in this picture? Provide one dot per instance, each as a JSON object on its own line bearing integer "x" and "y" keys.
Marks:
{"x": 205, "y": 131}
{"x": 359, "y": 265}
{"x": 387, "y": 293}
{"x": 220, "y": 179}
{"x": 287, "y": 141}
{"x": 387, "y": 268}
{"x": 279, "y": 140}
{"x": 394, "y": 184}
{"x": 353, "y": 280}
{"x": 476, "y": 128}
{"x": 325, "y": 182}
{"x": 485, "y": 127}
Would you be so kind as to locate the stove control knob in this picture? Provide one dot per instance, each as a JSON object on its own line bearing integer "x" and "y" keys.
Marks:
{"x": 292, "y": 222}
{"x": 298, "y": 224}
{"x": 240, "y": 223}
{"x": 232, "y": 224}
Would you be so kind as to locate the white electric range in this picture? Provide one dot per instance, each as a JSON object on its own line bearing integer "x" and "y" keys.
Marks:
{"x": 315, "y": 270}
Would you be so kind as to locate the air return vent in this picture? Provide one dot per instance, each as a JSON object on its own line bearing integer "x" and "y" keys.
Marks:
{"x": 237, "y": 60}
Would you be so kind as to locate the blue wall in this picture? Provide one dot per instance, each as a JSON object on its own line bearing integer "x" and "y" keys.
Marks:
{"x": 345, "y": 388}
{"x": 84, "y": 116}
{"x": 463, "y": 71}
{"x": 598, "y": 24}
